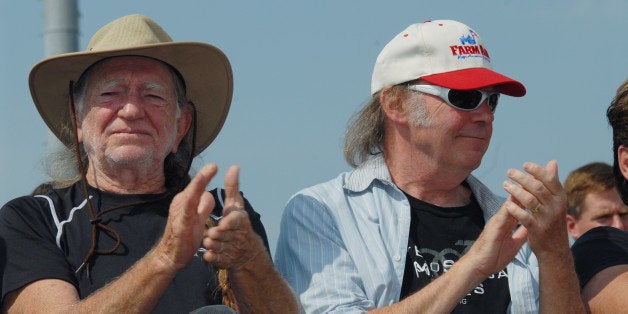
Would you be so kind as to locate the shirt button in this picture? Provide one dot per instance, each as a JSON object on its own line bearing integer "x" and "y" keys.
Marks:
{"x": 397, "y": 258}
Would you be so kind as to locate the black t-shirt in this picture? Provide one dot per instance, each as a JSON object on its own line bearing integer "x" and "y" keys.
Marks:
{"x": 48, "y": 236}
{"x": 439, "y": 236}
{"x": 598, "y": 249}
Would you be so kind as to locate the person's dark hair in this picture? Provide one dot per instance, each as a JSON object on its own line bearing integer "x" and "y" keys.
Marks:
{"x": 595, "y": 177}
{"x": 617, "y": 114}
{"x": 177, "y": 165}
{"x": 42, "y": 188}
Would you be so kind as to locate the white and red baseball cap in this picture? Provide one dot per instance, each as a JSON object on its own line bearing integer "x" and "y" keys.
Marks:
{"x": 441, "y": 52}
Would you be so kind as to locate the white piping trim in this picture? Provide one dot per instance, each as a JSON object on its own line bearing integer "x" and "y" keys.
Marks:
{"x": 220, "y": 200}
{"x": 59, "y": 224}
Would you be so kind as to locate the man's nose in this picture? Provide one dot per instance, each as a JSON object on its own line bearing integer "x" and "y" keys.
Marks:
{"x": 483, "y": 113}
{"x": 132, "y": 107}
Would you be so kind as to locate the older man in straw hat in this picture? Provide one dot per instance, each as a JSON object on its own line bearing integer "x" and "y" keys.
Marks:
{"x": 131, "y": 232}
{"x": 410, "y": 229}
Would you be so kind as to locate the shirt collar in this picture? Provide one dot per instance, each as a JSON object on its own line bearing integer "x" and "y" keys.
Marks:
{"x": 373, "y": 169}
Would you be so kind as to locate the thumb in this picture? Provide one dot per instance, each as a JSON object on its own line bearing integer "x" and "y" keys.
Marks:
{"x": 233, "y": 198}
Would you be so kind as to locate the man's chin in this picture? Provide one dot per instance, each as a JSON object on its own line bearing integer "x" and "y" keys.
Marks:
{"x": 472, "y": 162}
{"x": 130, "y": 155}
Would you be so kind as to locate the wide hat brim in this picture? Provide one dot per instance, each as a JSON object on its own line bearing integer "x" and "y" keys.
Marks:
{"x": 205, "y": 69}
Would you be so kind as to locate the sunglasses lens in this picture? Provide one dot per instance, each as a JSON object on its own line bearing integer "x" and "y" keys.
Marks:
{"x": 492, "y": 101}
{"x": 465, "y": 99}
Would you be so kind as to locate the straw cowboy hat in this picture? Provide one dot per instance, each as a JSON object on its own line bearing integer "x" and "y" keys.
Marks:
{"x": 204, "y": 68}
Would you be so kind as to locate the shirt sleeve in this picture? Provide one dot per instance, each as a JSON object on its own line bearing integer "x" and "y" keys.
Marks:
{"x": 598, "y": 249}
{"x": 312, "y": 257}
{"x": 27, "y": 236}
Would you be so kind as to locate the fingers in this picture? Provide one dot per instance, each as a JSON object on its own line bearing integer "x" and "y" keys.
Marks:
{"x": 228, "y": 227}
{"x": 201, "y": 180}
{"x": 520, "y": 196}
{"x": 233, "y": 198}
{"x": 206, "y": 205}
{"x": 233, "y": 242}
{"x": 232, "y": 185}
{"x": 502, "y": 220}
{"x": 517, "y": 210}
{"x": 497, "y": 245}
{"x": 196, "y": 197}
{"x": 538, "y": 186}
{"x": 187, "y": 213}
{"x": 520, "y": 236}
{"x": 547, "y": 175}
{"x": 540, "y": 191}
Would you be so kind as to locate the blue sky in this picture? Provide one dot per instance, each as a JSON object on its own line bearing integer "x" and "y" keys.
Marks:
{"x": 302, "y": 68}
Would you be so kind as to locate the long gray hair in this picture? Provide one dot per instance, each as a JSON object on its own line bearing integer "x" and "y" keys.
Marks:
{"x": 365, "y": 134}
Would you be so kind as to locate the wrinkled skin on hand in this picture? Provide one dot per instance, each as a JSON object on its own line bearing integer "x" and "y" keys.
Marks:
{"x": 497, "y": 245}
{"x": 233, "y": 242}
{"x": 539, "y": 186}
{"x": 186, "y": 220}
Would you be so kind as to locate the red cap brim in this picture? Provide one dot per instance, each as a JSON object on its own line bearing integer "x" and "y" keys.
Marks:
{"x": 477, "y": 78}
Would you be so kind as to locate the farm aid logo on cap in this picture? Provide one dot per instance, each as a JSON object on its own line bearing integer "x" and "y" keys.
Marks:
{"x": 469, "y": 47}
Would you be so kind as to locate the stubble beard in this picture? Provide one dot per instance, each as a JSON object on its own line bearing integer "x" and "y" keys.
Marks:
{"x": 418, "y": 114}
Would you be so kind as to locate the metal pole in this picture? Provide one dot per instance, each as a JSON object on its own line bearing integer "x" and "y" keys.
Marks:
{"x": 61, "y": 26}
{"x": 60, "y": 36}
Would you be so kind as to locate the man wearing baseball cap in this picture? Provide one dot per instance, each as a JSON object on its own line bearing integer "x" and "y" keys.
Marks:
{"x": 130, "y": 232}
{"x": 410, "y": 229}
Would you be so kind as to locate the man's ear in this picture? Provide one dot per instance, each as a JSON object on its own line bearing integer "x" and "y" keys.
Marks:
{"x": 572, "y": 226}
{"x": 183, "y": 125}
{"x": 622, "y": 160}
{"x": 392, "y": 105}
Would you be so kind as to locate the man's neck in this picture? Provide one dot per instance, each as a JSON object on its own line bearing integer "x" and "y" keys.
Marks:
{"x": 423, "y": 179}
{"x": 126, "y": 180}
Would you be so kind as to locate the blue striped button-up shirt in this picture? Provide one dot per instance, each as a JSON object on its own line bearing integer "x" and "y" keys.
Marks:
{"x": 342, "y": 245}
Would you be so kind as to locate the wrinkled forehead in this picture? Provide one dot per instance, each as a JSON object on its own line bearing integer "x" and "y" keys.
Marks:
{"x": 117, "y": 71}
{"x": 123, "y": 62}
